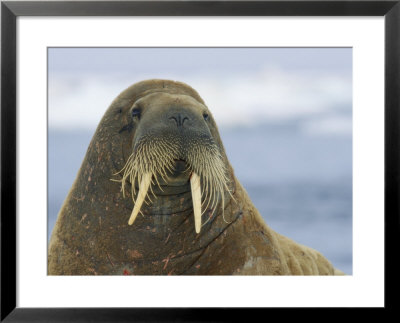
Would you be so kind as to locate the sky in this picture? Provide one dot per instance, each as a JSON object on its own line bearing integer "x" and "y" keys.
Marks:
{"x": 309, "y": 87}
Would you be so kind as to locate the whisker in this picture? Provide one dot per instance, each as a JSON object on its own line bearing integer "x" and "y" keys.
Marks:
{"x": 157, "y": 156}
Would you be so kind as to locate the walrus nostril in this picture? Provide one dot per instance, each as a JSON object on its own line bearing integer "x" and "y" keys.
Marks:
{"x": 179, "y": 119}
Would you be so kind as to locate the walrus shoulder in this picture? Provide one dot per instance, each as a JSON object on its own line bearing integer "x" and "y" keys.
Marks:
{"x": 303, "y": 260}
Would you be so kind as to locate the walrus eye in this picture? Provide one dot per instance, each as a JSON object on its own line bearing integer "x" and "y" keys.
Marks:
{"x": 205, "y": 116}
{"x": 136, "y": 113}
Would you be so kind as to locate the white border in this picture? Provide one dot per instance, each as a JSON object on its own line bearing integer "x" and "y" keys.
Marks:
{"x": 364, "y": 288}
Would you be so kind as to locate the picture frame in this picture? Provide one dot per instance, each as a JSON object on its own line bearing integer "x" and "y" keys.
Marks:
{"x": 11, "y": 10}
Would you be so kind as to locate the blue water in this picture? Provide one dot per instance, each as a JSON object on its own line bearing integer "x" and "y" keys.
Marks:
{"x": 301, "y": 184}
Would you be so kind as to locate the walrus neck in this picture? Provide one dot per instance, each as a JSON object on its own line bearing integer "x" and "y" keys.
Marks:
{"x": 171, "y": 244}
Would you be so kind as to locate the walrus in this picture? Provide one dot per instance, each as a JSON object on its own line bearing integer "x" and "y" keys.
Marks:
{"x": 157, "y": 195}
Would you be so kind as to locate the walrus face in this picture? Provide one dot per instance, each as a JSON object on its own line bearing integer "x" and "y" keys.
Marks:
{"x": 172, "y": 146}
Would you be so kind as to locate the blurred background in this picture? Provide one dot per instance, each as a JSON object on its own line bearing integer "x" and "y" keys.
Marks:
{"x": 284, "y": 115}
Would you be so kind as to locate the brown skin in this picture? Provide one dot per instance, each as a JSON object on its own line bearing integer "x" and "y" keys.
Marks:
{"x": 92, "y": 235}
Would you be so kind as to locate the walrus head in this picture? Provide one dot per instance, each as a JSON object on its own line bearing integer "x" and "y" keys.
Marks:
{"x": 173, "y": 142}
{"x": 154, "y": 192}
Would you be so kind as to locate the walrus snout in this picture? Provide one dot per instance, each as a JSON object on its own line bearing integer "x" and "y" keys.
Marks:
{"x": 172, "y": 147}
{"x": 179, "y": 119}
{"x": 183, "y": 118}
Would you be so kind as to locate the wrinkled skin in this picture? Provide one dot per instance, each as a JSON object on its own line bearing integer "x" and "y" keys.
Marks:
{"x": 92, "y": 235}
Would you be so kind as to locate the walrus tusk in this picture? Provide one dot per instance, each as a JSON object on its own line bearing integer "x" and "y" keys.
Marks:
{"x": 143, "y": 188}
{"x": 196, "y": 197}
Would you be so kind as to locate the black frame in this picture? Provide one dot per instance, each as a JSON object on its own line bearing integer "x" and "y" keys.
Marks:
{"x": 10, "y": 10}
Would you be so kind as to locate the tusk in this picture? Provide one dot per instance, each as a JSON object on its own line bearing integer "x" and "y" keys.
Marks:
{"x": 143, "y": 188}
{"x": 196, "y": 197}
